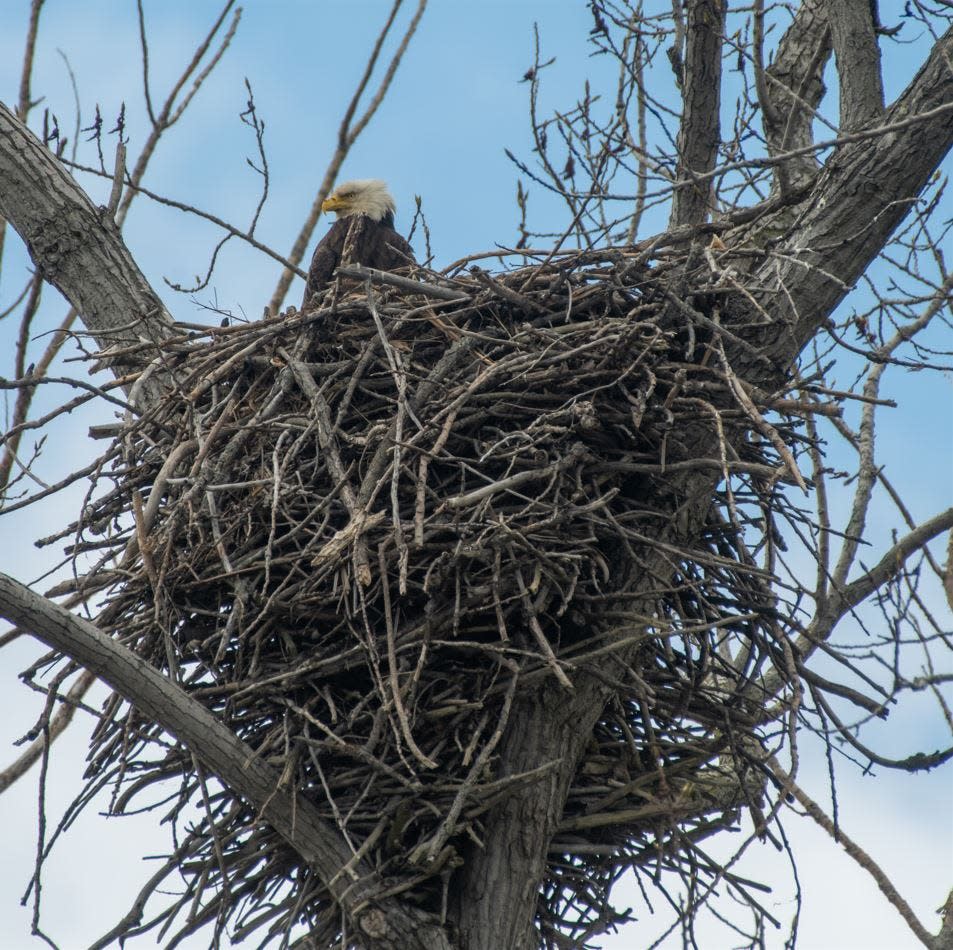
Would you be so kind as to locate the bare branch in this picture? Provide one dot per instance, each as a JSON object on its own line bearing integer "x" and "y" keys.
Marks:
{"x": 171, "y": 112}
{"x": 858, "y": 63}
{"x": 18, "y": 768}
{"x": 25, "y": 100}
{"x": 700, "y": 131}
{"x": 96, "y": 274}
{"x": 944, "y": 939}
{"x": 404, "y": 283}
{"x": 856, "y": 852}
{"x": 792, "y": 90}
{"x": 887, "y": 567}
{"x": 865, "y": 191}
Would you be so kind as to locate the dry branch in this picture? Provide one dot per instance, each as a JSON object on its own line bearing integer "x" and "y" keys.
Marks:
{"x": 74, "y": 246}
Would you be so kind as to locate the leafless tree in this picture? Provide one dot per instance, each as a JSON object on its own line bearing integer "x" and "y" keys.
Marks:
{"x": 445, "y": 605}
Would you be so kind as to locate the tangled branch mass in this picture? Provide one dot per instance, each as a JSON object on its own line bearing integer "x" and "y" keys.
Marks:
{"x": 355, "y": 533}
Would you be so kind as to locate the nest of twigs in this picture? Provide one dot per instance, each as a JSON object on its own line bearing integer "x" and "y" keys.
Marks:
{"x": 354, "y": 533}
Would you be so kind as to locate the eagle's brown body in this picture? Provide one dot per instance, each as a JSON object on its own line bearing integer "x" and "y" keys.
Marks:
{"x": 364, "y": 228}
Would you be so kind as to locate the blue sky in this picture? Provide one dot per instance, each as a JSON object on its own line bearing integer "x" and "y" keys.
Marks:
{"x": 456, "y": 103}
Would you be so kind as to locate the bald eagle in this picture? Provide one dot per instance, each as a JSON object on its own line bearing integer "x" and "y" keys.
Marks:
{"x": 366, "y": 205}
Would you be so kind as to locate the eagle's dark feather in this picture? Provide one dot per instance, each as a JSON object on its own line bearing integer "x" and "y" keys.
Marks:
{"x": 374, "y": 244}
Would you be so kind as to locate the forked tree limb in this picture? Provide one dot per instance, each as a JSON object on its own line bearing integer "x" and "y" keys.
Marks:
{"x": 839, "y": 602}
{"x": 888, "y": 567}
{"x": 792, "y": 89}
{"x": 384, "y": 924}
{"x": 863, "y": 193}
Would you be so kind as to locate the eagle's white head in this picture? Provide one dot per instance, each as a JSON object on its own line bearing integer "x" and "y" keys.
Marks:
{"x": 368, "y": 196}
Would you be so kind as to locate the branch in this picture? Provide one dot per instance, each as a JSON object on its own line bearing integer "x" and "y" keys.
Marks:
{"x": 839, "y": 602}
{"x": 171, "y": 112}
{"x": 242, "y": 234}
{"x": 116, "y": 209}
{"x": 864, "y": 192}
{"x": 890, "y": 564}
{"x": 26, "y": 75}
{"x": 31, "y": 755}
{"x": 404, "y": 283}
{"x": 347, "y": 135}
{"x": 855, "y": 851}
{"x": 858, "y": 63}
{"x": 792, "y": 90}
{"x": 944, "y": 939}
{"x": 384, "y": 923}
{"x": 700, "y": 133}
{"x": 74, "y": 245}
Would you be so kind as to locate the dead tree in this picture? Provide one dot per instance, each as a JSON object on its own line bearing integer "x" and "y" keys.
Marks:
{"x": 449, "y": 602}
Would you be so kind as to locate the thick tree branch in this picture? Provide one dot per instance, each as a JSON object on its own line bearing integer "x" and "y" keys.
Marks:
{"x": 792, "y": 90}
{"x": 700, "y": 132}
{"x": 383, "y": 924}
{"x": 864, "y": 192}
{"x": 858, "y": 63}
{"x": 75, "y": 246}
{"x": 547, "y": 725}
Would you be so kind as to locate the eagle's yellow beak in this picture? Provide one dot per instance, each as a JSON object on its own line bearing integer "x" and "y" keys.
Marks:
{"x": 332, "y": 203}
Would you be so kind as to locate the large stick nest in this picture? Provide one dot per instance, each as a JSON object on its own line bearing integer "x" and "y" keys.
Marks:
{"x": 358, "y": 533}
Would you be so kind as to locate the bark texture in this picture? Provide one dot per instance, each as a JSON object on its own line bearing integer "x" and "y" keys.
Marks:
{"x": 494, "y": 895}
{"x": 76, "y": 246}
{"x": 794, "y": 88}
{"x": 865, "y": 190}
{"x": 700, "y": 134}
{"x": 858, "y": 63}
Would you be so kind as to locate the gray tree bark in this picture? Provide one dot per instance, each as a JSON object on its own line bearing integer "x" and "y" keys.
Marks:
{"x": 700, "y": 132}
{"x": 75, "y": 246}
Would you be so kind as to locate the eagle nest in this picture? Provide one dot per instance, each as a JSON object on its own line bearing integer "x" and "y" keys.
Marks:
{"x": 357, "y": 533}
